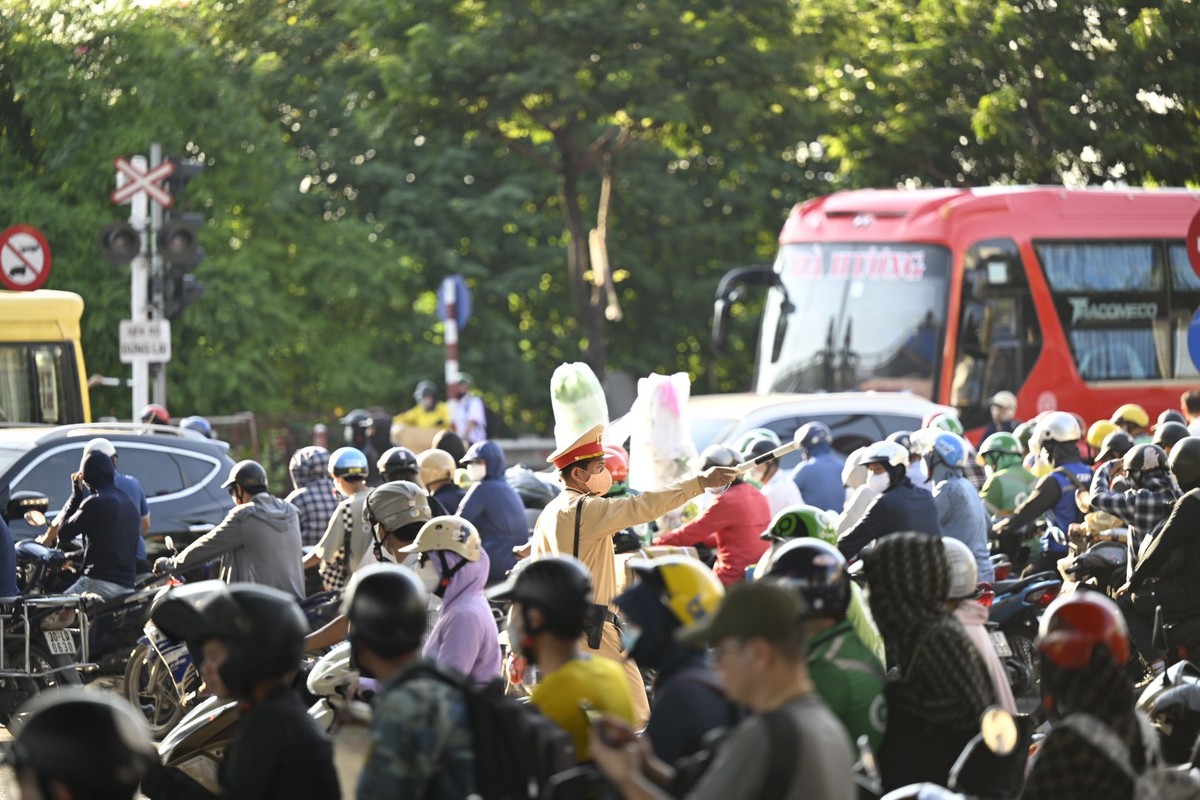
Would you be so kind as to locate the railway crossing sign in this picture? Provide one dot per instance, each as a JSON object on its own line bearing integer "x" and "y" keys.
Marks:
{"x": 24, "y": 258}
{"x": 137, "y": 181}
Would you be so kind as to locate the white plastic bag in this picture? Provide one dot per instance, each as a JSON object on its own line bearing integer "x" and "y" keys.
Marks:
{"x": 660, "y": 446}
{"x": 577, "y": 400}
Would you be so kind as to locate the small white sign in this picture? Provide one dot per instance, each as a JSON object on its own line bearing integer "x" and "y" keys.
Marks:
{"x": 145, "y": 341}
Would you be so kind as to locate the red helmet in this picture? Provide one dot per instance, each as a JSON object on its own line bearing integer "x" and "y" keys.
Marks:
{"x": 617, "y": 461}
{"x": 155, "y": 414}
{"x": 1075, "y": 625}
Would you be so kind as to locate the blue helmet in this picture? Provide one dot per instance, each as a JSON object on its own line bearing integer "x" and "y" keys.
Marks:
{"x": 198, "y": 424}
{"x": 348, "y": 462}
{"x": 814, "y": 434}
{"x": 949, "y": 449}
{"x": 816, "y": 570}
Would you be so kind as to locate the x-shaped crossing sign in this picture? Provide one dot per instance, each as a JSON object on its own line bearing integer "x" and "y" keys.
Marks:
{"x": 148, "y": 182}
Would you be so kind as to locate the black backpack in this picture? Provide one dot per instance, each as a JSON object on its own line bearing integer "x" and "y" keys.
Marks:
{"x": 517, "y": 748}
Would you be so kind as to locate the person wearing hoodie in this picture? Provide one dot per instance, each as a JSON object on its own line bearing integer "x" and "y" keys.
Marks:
{"x": 960, "y": 511}
{"x": 939, "y": 687}
{"x": 819, "y": 475}
{"x": 494, "y": 508}
{"x": 257, "y": 542}
{"x": 973, "y": 616}
{"x": 900, "y": 506}
{"x": 315, "y": 496}
{"x": 464, "y": 635}
{"x": 110, "y": 522}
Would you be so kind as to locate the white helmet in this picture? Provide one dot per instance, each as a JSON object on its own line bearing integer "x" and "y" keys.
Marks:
{"x": 964, "y": 572}
{"x": 1057, "y": 426}
{"x": 1005, "y": 400}
{"x": 447, "y": 533}
{"x": 886, "y": 453}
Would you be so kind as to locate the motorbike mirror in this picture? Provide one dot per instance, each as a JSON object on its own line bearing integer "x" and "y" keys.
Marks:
{"x": 170, "y": 544}
{"x": 35, "y": 518}
{"x": 999, "y": 730}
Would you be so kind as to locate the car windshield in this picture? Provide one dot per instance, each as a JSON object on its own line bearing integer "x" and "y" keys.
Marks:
{"x": 855, "y": 316}
{"x": 708, "y": 430}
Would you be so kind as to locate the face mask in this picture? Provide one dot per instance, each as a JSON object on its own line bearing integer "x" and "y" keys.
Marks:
{"x": 476, "y": 471}
{"x": 630, "y": 635}
{"x": 879, "y": 482}
{"x": 599, "y": 483}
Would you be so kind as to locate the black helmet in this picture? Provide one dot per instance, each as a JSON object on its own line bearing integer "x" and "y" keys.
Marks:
{"x": 424, "y": 388}
{"x": 1168, "y": 433}
{"x": 560, "y": 586}
{"x": 1170, "y": 415}
{"x": 386, "y": 605}
{"x": 263, "y": 627}
{"x": 93, "y": 742}
{"x": 355, "y": 427}
{"x": 1145, "y": 458}
{"x": 1115, "y": 445}
{"x": 249, "y": 475}
{"x": 397, "y": 459}
{"x": 1185, "y": 462}
{"x": 817, "y": 570}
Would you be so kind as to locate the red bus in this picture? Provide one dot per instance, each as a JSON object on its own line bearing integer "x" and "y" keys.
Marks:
{"x": 1079, "y": 300}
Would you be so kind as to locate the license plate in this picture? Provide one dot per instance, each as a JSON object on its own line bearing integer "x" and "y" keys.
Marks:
{"x": 1000, "y": 643}
{"x": 61, "y": 643}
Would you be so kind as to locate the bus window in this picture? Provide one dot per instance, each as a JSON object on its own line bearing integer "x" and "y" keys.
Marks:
{"x": 35, "y": 381}
{"x": 1111, "y": 297}
{"x": 999, "y": 338}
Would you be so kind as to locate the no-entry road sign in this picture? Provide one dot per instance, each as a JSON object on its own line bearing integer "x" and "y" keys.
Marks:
{"x": 24, "y": 258}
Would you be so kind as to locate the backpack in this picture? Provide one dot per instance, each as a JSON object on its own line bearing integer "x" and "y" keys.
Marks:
{"x": 1157, "y": 781}
{"x": 517, "y": 749}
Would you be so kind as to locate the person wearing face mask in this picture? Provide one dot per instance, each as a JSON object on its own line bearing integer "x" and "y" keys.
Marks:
{"x": 494, "y": 508}
{"x": 819, "y": 475}
{"x": 960, "y": 512}
{"x": 551, "y": 602}
{"x": 421, "y": 743}
{"x": 731, "y": 525}
{"x": 900, "y": 506}
{"x": 581, "y": 521}
{"x": 778, "y": 487}
{"x": 918, "y": 470}
{"x": 464, "y": 635}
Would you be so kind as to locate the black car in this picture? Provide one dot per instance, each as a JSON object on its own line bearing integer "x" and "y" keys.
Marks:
{"x": 180, "y": 471}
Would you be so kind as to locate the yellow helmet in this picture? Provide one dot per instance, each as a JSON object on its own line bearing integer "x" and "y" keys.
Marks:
{"x": 1132, "y": 412}
{"x": 1100, "y": 428}
{"x": 690, "y": 589}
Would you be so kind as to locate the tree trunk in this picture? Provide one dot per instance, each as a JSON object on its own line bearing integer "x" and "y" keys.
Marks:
{"x": 587, "y": 304}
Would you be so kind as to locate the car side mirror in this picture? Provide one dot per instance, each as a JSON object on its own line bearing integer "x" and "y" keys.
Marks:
{"x": 29, "y": 505}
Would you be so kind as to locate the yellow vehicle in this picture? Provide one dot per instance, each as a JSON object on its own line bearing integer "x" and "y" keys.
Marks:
{"x": 42, "y": 378}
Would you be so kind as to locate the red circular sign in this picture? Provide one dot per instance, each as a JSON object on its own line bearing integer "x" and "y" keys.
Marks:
{"x": 24, "y": 258}
{"x": 1193, "y": 243}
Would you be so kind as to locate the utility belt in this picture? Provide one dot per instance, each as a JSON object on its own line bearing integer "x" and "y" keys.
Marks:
{"x": 593, "y": 624}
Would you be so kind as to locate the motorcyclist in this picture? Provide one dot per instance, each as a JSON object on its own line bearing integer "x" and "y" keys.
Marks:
{"x": 198, "y": 424}
{"x": 258, "y": 541}
{"x": 1057, "y": 435}
{"x": 616, "y": 460}
{"x": 551, "y": 605}
{"x": 76, "y": 744}
{"x": 777, "y": 486}
{"x": 846, "y": 673}
{"x": 1134, "y": 420}
{"x": 400, "y": 464}
{"x": 960, "y": 511}
{"x": 315, "y": 495}
{"x": 1148, "y": 499}
{"x": 672, "y": 593}
{"x": 1084, "y": 645}
{"x": 899, "y": 507}
{"x": 1170, "y": 415}
{"x": 437, "y": 476}
{"x": 946, "y": 421}
{"x": 494, "y": 508}
{"x": 464, "y": 636}
{"x": 347, "y": 538}
{"x": 1168, "y": 434}
{"x": 1115, "y": 445}
{"x": 252, "y": 639}
{"x": 819, "y": 475}
{"x": 1096, "y": 434}
{"x": 155, "y": 414}
{"x": 429, "y": 412}
{"x": 356, "y": 428}
{"x": 731, "y": 524}
{"x": 859, "y": 494}
{"x": 421, "y": 742}
{"x": 1008, "y": 484}
{"x": 918, "y": 470}
{"x": 1165, "y": 574}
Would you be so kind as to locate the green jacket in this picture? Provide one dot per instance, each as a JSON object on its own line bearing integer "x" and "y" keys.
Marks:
{"x": 850, "y": 680}
{"x": 1006, "y": 489}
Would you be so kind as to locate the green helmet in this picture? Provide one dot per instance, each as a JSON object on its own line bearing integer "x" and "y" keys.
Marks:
{"x": 795, "y": 522}
{"x": 1023, "y": 434}
{"x": 747, "y": 439}
{"x": 947, "y": 422}
{"x": 997, "y": 445}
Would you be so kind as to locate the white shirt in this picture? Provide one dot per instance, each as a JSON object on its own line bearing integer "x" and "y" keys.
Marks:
{"x": 781, "y": 492}
{"x": 1194, "y": 427}
{"x": 468, "y": 419}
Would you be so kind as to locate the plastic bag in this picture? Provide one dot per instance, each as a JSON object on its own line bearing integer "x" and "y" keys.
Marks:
{"x": 577, "y": 400}
{"x": 661, "y": 450}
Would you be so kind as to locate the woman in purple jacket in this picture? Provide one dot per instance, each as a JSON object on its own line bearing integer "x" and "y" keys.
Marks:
{"x": 464, "y": 637}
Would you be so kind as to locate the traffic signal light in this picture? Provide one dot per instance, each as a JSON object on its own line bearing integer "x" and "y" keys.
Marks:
{"x": 119, "y": 243}
{"x": 179, "y": 244}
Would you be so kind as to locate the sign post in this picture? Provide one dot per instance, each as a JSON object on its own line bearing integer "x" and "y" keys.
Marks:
{"x": 24, "y": 259}
{"x": 453, "y": 309}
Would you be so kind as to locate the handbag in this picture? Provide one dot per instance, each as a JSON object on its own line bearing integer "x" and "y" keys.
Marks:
{"x": 336, "y": 571}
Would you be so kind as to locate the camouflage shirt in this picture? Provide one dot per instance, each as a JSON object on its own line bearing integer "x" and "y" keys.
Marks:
{"x": 420, "y": 741}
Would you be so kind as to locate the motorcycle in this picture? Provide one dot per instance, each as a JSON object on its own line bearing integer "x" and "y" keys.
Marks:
{"x": 1172, "y": 703}
{"x": 1101, "y": 568}
{"x": 1015, "y": 610}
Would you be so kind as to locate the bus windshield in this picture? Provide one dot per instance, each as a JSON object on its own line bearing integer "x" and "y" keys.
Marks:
{"x": 855, "y": 317}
